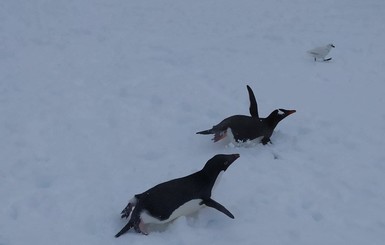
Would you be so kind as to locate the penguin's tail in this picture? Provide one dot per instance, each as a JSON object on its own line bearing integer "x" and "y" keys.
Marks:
{"x": 125, "y": 229}
{"x": 136, "y": 223}
{"x": 218, "y": 134}
{"x": 209, "y": 131}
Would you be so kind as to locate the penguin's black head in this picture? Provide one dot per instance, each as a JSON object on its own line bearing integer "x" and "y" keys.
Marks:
{"x": 220, "y": 163}
{"x": 279, "y": 114}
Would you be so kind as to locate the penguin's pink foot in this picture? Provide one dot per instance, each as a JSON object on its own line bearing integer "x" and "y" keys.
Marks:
{"x": 220, "y": 135}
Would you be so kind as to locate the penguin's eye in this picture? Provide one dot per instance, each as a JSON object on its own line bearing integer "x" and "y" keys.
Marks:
{"x": 226, "y": 163}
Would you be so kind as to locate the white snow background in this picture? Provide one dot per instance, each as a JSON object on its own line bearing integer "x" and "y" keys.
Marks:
{"x": 101, "y": 99}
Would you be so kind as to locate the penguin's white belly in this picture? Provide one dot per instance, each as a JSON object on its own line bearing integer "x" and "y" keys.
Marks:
{"x": 186, "y": 209}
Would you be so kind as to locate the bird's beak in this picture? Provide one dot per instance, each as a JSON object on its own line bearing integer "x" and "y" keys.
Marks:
{"x": 232, "y": 158}
{"x": 291, "y": 112}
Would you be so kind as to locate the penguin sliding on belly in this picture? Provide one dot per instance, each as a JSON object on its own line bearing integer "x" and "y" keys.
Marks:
{"x": 245, "y": 128}
{"x": 179, "y": 197}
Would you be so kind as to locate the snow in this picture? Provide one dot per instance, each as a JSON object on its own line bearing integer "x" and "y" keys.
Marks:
{"x": 100, "y": 100}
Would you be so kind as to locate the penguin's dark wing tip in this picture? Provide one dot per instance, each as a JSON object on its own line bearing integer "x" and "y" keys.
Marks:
{"x": 211, "y": 203}
{"x": 253, "y": 103}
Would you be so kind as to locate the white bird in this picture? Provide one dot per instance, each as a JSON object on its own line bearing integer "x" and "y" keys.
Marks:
{"x": 321, "y": 52}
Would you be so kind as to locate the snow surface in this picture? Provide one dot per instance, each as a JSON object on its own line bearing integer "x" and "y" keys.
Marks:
{"x": 101, "y": 99}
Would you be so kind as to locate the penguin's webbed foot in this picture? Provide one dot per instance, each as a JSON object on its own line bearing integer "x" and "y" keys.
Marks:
{"x": 126, "y": 211}
{"x": 139, "y": 227}
{"x": 219, "y": 135}
{"x": 265, "y": 140}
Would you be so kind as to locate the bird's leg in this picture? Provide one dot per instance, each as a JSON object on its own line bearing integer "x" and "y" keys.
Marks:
{"x": 265, "y": 140}
{"x": 315, "y": 59}
{"x": 219, "y": 135}
{"x": 139, "y": 227}
{"x": 143, "y": 228}
{"x": 127, "y": 211}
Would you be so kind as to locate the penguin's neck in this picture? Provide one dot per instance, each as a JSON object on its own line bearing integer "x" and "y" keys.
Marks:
{"x": 272, "y": 120}
{"x": 211, "y": 177}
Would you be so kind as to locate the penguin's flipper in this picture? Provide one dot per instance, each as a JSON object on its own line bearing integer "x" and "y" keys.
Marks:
{"x": 253, "y": 103}
{"x": 213, "y": 204}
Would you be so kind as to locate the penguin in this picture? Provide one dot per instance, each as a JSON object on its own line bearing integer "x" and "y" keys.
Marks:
{"x": 245, "y": 128}
{"x": 321, "y": 52}
{"x": 178, "y": 197}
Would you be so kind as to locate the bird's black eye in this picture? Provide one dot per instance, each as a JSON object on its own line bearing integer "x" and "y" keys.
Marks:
{"x": 226, "y": 163}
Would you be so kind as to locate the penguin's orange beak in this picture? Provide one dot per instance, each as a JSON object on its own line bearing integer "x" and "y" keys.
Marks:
{"x": 291, "y": 111}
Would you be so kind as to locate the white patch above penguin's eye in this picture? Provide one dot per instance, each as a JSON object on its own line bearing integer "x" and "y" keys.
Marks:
{"x": 280, "y": 112}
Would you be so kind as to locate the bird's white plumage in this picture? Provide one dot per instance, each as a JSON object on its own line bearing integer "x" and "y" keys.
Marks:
{"x": 217, "y": 180}
{"x": 321, "y": 52}
{"x": 186, "y": 209}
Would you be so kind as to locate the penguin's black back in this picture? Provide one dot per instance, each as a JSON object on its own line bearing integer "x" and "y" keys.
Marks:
{"x": 163, "y": 199}
{"x": 243, "y": 127}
